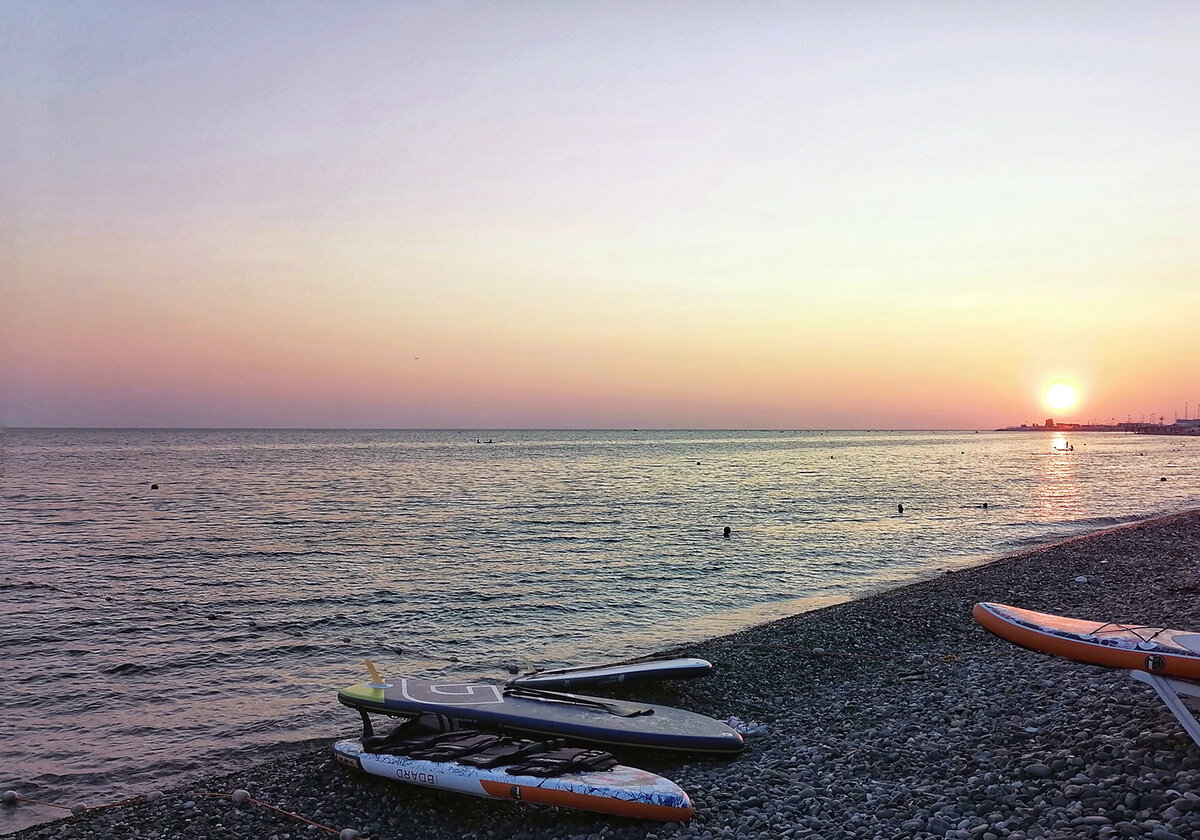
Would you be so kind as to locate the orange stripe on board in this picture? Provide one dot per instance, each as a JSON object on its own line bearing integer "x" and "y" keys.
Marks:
{"x": 585, "y": 802}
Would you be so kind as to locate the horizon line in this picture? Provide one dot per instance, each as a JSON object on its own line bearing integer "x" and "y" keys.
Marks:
{"x": 497, "y": 429}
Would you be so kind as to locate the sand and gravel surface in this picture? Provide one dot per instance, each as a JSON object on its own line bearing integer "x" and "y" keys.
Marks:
{"x": 893, "y": 716}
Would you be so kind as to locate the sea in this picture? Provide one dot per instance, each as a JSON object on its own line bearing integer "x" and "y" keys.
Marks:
{"x": 177, "y": 603}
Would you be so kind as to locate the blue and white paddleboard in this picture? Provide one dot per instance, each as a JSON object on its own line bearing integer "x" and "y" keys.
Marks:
{"x": 653, "y": 670}
{"x": 597, "y": 720}
{"x": 623, "y": 791}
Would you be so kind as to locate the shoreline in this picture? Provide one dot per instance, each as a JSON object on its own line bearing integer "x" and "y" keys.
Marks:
{"x": 891, "y": 715}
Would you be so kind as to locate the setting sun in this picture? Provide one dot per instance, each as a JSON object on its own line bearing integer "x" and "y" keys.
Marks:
{"x": 1060, "y": 396}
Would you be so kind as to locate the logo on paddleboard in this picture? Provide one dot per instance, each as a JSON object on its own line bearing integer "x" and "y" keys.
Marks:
{"x": 1154, "y": 662}
{"x": 451, "y": 694}
{"x": 427, "y": 779}
{"x": 515, "y": 792}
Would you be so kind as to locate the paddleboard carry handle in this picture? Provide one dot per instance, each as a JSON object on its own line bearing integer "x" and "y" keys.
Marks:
{"x": 613, "y": 708}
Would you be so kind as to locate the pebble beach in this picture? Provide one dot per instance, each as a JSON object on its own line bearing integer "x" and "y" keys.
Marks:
{"x": 890, "y": 716}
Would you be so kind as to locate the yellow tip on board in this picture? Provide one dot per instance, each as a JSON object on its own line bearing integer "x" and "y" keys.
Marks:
{"x": 374, "y": 672}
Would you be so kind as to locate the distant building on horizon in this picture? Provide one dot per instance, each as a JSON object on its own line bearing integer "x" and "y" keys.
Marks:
{"x": 1188, "y": 426}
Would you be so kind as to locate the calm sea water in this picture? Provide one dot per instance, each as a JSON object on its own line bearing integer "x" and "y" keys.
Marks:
{"x": 153, "y": 634}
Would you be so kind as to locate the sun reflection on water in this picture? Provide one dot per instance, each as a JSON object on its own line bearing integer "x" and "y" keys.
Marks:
{"x": 1057, "y": 495}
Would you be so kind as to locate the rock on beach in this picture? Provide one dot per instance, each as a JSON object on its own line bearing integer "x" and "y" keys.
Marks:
{"x": 912, "y": 722}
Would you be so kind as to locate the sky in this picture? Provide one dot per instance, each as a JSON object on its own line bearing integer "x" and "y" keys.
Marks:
{"x": 598, "y": 215}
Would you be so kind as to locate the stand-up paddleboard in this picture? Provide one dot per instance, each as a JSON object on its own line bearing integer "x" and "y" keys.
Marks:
{"x": 548, "y": 713}
{"x": 1159, "y": 650}
{"x": 623, "y": 791}
{"x": 652, "y": 670}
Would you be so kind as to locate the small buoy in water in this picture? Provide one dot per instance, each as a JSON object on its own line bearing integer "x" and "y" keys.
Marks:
{"x": 240, "y": 796}
{"x": 153, "y": 486}
{"x": 78, "y": 808}
{"x": 727, "y": 531}
{"x": 10, "y": 797}
{"x": 1164, "y": 478}
{"x": 900, "y": 508}
{"x": 697, "y": 463}
{"x": 985, "y": 505}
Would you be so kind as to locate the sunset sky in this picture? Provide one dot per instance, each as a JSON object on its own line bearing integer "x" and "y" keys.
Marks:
{"x": 598, "y": 215}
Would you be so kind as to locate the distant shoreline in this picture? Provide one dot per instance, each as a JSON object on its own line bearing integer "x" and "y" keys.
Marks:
{"x": 1134, "y": 428}
{"x": 1131, "y": 428}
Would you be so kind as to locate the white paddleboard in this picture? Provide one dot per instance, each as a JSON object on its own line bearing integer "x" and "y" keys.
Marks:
{"x": 622, "y": 791}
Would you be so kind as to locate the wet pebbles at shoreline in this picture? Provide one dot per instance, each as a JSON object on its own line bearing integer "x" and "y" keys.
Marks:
{"x": 891, "y": 716}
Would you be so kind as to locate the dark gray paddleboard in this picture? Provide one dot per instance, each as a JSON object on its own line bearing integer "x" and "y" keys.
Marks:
{"x": 536, "y": 711}
{"x": 653, "y": 670}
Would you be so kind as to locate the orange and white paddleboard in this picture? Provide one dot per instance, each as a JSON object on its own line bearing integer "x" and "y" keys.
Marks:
{"x": 622, "y": 791}
{"x": 1159, "y": 650}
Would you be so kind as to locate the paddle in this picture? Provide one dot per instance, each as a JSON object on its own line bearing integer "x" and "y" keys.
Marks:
{"x": 613, "y": 708}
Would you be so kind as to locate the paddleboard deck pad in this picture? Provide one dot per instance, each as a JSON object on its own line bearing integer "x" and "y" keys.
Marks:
{"x": 1159, "y": 650}
{"x": 546, "y": 713}
{"x": 603, "y": 785}
{"x": 653, "y": 670}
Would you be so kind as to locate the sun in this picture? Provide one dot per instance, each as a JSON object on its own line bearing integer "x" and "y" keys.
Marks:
{"x": 1061, "y": 396}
